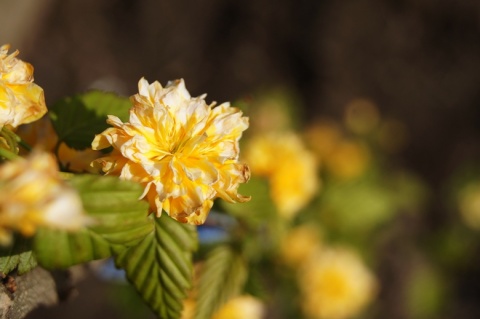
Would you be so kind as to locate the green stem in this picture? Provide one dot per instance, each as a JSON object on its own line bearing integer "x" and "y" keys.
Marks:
{"x": 19, "y": 140}
{"x": 7, "y": 154}
{"x": 24, "y": 144}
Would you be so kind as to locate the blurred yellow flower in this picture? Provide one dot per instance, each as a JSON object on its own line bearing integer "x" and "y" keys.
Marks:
{"x": 182, "y": 150}
{"x": 188, "y": 311}
{"x": 335, "y": 284}
{"x": 469, "y": 205}
{"x": 241, "y": 307}
{"x": 21, "y": 100}
{"x": 32, "y": 194}
{"x": 322, "y": 137}
{"x": 349, "y": 159}
{"x": 290, "y": 168}
{"x": 300, "y": 244}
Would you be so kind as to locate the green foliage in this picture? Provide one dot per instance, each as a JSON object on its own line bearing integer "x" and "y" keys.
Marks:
{"x": 259, "y": 208}
{"x": 60, "y": 249}
{"x": 160, "y": 266}
{"x": 252, "y": 216}
{"x": 119, "y": 216}
{"x": 223, "y": 277}
{"x": 77, "y": 119}
{"x": 18, "y": 256}
{"x": 408, "y": 191}
{"x": 119, "y": 219}
{"x": 426, "y": 292}
{"x": 356, "y": 207}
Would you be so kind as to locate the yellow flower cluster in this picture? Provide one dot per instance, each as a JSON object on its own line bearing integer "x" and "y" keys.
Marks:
{"x": 335, "y": 284}
{"x": 32, "y": 194}
{"x": 184, "y": 151}
{"x": 21, "y": 100}
{"x": 299, "y": 244}
{"x": 344, "y": 158}
{"x": 290, "y": 168}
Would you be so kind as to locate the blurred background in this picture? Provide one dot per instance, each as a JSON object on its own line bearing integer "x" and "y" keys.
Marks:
{"x": 416, "y": 62}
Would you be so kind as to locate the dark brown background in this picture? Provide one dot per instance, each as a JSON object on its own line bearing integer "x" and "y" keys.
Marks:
{"x": 418, "y": 60}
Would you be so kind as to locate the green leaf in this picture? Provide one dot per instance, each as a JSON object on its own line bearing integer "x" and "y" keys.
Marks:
{"x": 60, "y": 249}
{"x": 18, "y": 256}
{"x": 160, "y": 266}
{"x": 223, "y": 277}
{"x": 119, "y": 216}
{"x": 77, "y": 119}
{"x": 119, "y": 220}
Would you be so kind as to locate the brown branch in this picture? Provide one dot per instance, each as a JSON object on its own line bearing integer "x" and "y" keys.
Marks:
{"x": 21, "y": 294}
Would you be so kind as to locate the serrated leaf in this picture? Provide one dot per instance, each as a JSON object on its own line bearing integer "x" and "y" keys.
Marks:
{"x": 160, "y": 266}
{"x": 223, "y": 277}
{"x": 18, "y": 256}
{"x": 60, "y": 249}
{"x": 77, "y": 119}
{"x": 119, "y": 220}
{"x": 119, "y": 216}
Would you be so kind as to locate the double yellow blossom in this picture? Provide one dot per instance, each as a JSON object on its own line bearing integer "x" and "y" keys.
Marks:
{"x": 335, "y": 284}
{"x": 21, "y": 100}
{"x": 32, "y": 194}
{"x": 184, "y": 151}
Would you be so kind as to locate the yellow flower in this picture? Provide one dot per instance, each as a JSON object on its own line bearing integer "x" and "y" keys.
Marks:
{"x": 188, "y": 311}
{"x": 241, "y": 307}
{"x": 300, "y": 244}
{"x": 290, "y": 168}
{"x": 335, "y": 284}
{"x": 32, "y": 194}
{"x": 21, "y": 100}
{"x": 182, "y": 150}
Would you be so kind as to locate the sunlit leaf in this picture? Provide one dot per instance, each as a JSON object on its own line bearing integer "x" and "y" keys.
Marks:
{"x": 223, "y": 277}
{"x": 77, "y": 119}
{"x": 119, "y": 220}
{"x": 160, "y": 266}
{"x": 118, "y": 215}
{"x": 60, "y": 249}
